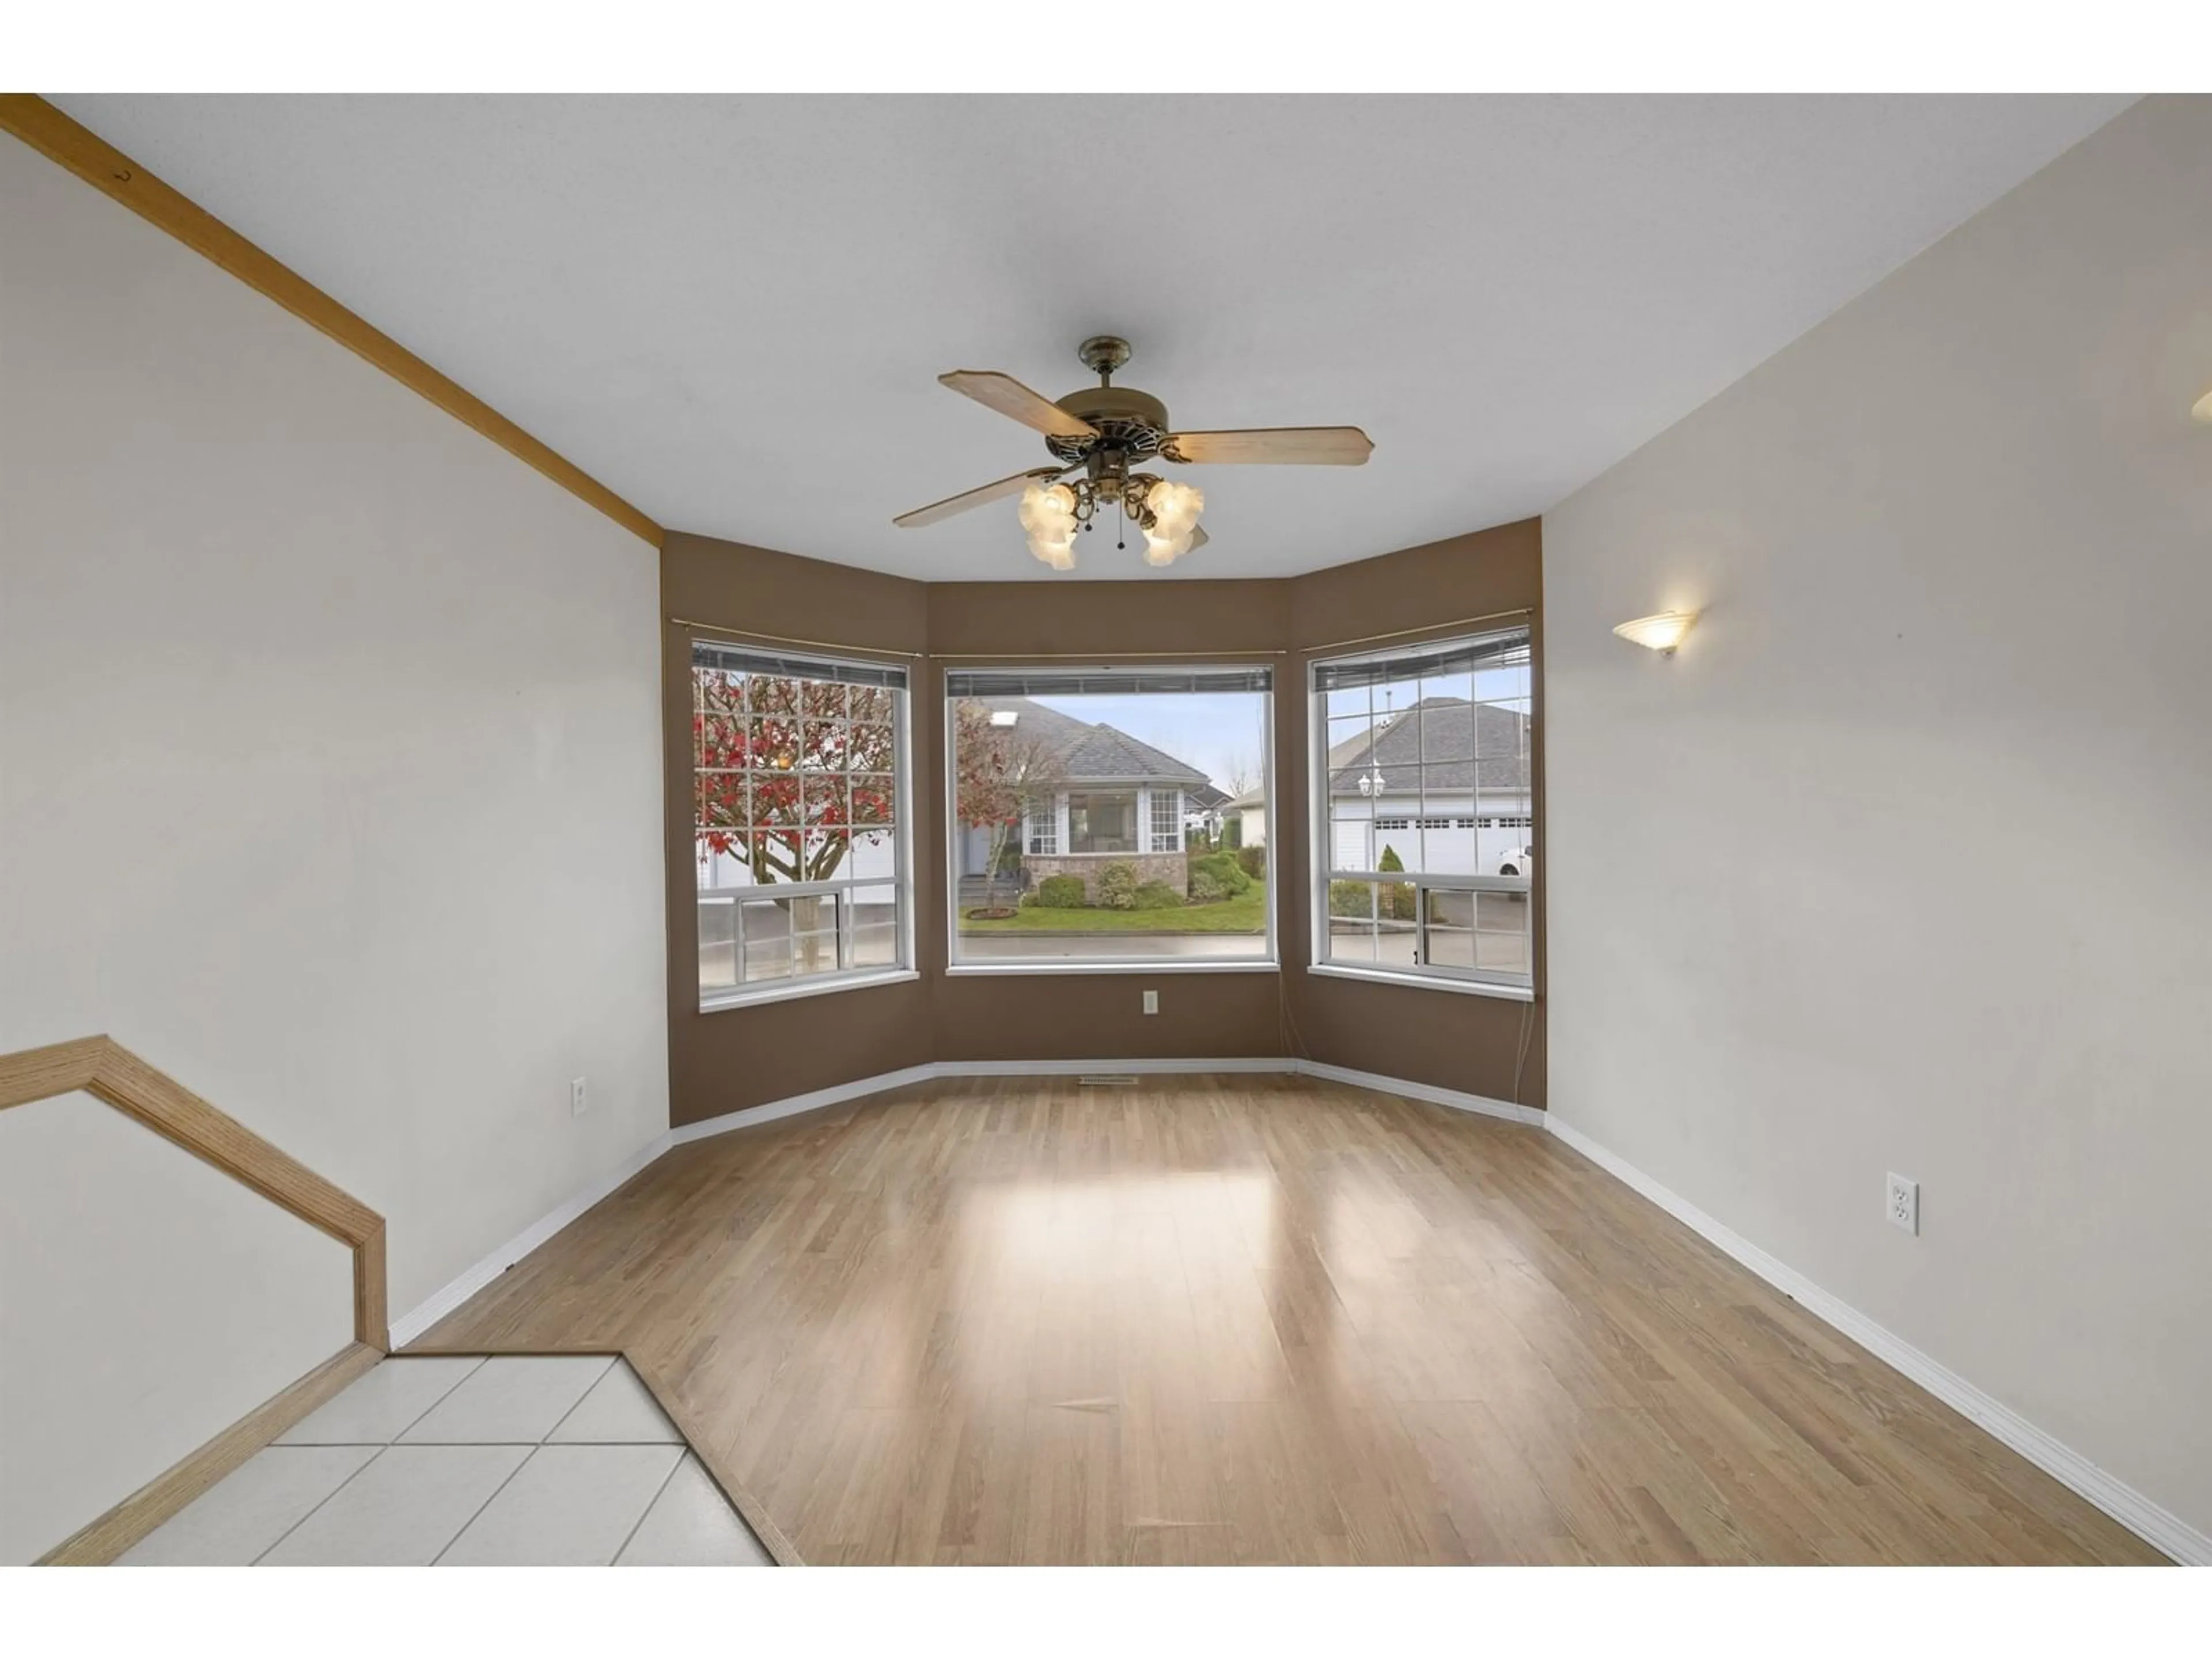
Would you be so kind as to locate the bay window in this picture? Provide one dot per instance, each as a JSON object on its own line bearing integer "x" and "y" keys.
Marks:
{"x": 1423, "y": 803}
{"x": 1066, "y": 841}
{"x": 799, "y": 822}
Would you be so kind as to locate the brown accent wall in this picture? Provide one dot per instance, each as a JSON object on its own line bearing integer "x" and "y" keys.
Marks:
{"x": 737, "y": 1057}
{"x": 722, "y": 1061}
{"x": 1447, "y": 1038}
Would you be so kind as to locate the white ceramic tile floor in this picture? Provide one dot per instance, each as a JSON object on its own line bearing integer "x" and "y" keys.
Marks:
{"x": 561, "y": 1460}
{"x": 618, "y": 1409}
{"x": 508, "y": 1401}
{"x": 568, "y": 1506}
{"x": 381, "y": 1406}
{"x": 234, "y": 1523}
{"x": 691, "y": 1524}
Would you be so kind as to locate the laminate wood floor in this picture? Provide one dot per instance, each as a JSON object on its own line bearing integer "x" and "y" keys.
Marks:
{"x": 1246, "y": 1319}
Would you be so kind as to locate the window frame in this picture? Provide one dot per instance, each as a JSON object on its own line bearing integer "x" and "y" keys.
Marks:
{"x": 742, "y": 995}
{"x": 1477, "y": 982}
{"x": 1271, "y": 963}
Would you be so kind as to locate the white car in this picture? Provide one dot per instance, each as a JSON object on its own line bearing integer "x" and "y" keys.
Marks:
{"x": 1520, "y": 862}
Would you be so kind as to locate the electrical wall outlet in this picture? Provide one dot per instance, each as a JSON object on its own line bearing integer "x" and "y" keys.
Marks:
{"x": 577, "y": 1103}
{"x": 1151, "y": 1002}
{"x": 1903, "y": 1203}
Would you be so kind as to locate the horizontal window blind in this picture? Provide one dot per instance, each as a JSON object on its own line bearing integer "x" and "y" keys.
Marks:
{"x": 1505, "y": 648}
{"x": 732, "y": 659}
{"x": 1064, "y": 682}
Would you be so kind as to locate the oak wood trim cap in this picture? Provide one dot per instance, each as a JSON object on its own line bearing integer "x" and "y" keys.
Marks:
{"x": 100, "y": 164}
{"x": 103, "y": 1068}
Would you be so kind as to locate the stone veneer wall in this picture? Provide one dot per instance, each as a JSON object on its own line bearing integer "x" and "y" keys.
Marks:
{"x": 1170, "y": 867}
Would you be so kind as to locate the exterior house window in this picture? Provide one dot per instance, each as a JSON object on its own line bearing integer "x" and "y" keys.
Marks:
{"x": 1101, "y": 820}
{"x": 1041, "y": 834}
{"x": 1423, "y": 801}
{"x": 1167, "y": 819}
{"x": 799, "y": 829}
{"x": 1091, "y": 772}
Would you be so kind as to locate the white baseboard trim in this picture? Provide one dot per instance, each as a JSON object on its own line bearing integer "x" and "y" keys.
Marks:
{"x": 1107, "y": 1068}
{"x": 835, "y": 1095}
{"x": 2156, "y": 1526}
{"x": 418, "y": 1319}
{"x": 1456, "y": 1099}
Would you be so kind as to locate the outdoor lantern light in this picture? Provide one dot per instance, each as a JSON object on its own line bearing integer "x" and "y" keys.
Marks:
{"x": 1661, "y": 633}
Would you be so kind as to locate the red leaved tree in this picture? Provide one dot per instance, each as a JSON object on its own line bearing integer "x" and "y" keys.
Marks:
{"x": 790, "y": 774}
{"x": 995, "y": 769}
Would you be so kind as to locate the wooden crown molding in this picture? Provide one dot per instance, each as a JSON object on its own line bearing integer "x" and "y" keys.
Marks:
{"x": 104, "y": 1069}
{"x": 60, "y": 139}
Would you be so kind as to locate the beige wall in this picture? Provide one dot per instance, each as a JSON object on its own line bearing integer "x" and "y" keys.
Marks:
{"x": 729, "y": 1059}
{"x": 328, "y": 783}
{"x": 1901, "y": 864}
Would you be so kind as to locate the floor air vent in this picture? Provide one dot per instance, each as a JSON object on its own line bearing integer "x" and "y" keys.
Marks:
{"x": 1102, "y": 1080}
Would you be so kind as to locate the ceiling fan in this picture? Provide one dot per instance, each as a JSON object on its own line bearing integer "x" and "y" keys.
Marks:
{"x": 1104, "y": 432}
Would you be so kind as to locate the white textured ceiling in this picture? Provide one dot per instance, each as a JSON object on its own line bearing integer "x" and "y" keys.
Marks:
{"x": 732, "y": 311}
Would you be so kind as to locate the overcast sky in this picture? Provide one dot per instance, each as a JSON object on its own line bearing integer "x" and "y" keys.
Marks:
{"x": 1221, "y": 732}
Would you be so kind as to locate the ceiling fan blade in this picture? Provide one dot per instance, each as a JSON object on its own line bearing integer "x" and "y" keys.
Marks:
{"x": 1277, "y": 446}
{"x": 1010, "y": 398}
{"x": 990, "y": 492}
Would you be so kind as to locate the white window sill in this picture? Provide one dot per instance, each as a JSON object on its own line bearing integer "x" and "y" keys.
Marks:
{"x": 1101, "y": 965}
{"x": 1478, "y": 987}
{"x": 792, "y": 990}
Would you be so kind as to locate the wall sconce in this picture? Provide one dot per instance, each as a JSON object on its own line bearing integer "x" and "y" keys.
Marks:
{"x": 1661, "y": 633}
{"x": 2202, "y": 412}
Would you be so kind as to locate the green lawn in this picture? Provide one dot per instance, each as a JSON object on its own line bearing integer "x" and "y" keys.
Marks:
{"x": 1245, "y": 913}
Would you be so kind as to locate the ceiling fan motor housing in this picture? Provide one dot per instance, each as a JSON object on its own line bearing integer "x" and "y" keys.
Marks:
{"x": 1132, "y": 422}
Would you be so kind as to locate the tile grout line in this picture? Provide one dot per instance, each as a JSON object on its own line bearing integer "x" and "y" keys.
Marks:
{"x": 310, "y": 1513}
{"x": 535, "y": 1447}
{"x": 379, "y": 1448}
{"x": 433, "y": 1445}
{"x": 547, "y": 1438}
{"x": 659, "y": 1492}
{"x": 445, "y": 1548}
{"x": 482, "y": 1360}
{"x": 382, "y": 1447}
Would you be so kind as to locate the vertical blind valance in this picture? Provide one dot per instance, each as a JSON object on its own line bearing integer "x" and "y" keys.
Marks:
{"x": 1504, "y": 647}
{"x": 1074, "y": 683}
{"x": 735, "y": 659}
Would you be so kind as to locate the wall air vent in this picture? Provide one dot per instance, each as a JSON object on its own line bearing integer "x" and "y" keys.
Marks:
{"x": 1104, "y": 1081}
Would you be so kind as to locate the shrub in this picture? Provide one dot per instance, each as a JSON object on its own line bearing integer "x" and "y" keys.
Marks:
{"x": 1060, "y": 893}
{"x": 1224, "y": 869}
{"x": 1157, "y": 895}
{"x": 1117, "y": 887}
{"x": 1253, "y": 861}
{"x": 1350, "y": 898}
{"x": 1207, "y": 888}
{"x": 1396, "y": 901}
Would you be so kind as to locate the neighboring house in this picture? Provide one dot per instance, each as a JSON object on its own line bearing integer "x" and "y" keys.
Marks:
{"x": 1204, "y": 809}
{"x": 1444, "y": 785}
{"x": 1249, "y": 810}
{"x": 1117, "y": 800}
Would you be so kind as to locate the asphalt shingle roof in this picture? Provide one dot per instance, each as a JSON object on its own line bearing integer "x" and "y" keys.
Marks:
{"x": 1443, "y": 745}
{"x": 1099, "y": 753}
